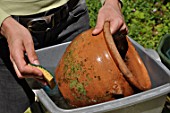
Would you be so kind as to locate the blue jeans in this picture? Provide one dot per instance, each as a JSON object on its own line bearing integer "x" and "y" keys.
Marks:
{"x": 15, "y": 94}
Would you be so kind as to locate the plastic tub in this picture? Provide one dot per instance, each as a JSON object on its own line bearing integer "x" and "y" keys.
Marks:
{"x": 164, "y": 50}
{"x": 151, "y": 101}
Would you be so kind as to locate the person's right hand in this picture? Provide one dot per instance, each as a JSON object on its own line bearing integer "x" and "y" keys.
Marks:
{"x": 20, "y": 42}
{"x": 111, "y": 12}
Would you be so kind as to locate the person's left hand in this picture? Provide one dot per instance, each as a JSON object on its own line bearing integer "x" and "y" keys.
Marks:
{"x": 111, "y": 12}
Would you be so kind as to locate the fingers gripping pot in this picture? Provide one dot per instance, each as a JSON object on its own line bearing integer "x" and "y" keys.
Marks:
{"x": 92, "y": 71}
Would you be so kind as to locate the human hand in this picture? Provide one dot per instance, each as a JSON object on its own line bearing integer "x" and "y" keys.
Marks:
{"x": 20, "y": 42}
{"x": 111, "y": 12}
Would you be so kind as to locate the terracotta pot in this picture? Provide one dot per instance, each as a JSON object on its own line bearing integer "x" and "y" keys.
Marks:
{"x": 132, "y": 66}
{"x": 88, "y": 73}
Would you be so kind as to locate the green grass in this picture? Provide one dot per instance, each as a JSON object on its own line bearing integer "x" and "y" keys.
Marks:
{"x": 147, "y": 20}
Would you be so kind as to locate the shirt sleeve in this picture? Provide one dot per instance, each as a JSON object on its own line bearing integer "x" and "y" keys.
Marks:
{"x": 3, "y": 16}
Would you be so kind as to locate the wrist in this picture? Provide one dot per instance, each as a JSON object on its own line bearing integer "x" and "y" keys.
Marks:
{"x": 114, "y": 2}
{"x": 6, "y": 25}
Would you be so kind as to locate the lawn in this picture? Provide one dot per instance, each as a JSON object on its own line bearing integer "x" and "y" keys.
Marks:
{"x": 147, "y": 20}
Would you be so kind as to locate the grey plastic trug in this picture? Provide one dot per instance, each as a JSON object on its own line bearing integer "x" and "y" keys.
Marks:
{"x": 151, "y": 101}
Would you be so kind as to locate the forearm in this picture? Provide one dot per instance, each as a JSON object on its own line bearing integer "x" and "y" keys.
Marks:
{"x": 6, "y": 28}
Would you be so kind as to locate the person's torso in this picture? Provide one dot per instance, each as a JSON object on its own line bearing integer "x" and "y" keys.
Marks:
{"x": 28, "y": 7}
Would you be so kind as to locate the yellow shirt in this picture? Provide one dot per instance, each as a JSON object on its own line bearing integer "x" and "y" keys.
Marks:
{"x": 26, "y": 7}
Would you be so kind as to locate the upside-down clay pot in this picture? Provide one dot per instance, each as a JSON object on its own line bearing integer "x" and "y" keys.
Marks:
{"x": 88, "y": 73}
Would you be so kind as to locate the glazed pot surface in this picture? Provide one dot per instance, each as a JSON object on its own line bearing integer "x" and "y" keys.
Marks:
{"x": 87, "y": 74}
